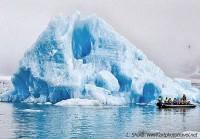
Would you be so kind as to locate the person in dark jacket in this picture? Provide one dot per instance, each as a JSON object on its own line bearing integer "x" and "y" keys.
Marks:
{"x": 160, "y": 99}
{"x": 175, "y": 101}
{"x": 184, "y": 99}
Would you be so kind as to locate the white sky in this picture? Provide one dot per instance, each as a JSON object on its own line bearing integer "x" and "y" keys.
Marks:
{"x": 162, "y": 29}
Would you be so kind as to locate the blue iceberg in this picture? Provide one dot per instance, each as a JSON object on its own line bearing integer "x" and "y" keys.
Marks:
{"x": 85, "y": 59}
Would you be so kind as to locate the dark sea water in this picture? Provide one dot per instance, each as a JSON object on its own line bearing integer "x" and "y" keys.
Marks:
{"x": 20, "y": 120}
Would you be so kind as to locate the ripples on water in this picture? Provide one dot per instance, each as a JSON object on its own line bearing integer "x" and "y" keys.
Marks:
{"x": 48, "y": 121}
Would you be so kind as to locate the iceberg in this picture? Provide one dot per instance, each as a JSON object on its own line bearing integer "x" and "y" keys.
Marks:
{"x": 183, "y": 82}
{"x": 78, "y": 59}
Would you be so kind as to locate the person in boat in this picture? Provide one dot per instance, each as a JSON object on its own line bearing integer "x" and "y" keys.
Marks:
{"x": 179, "y": 101}
{"x": 175, "y": 101}
{"x": 166, "y": 100}
{"x": 160, "y": 99}
{"x": 182, "y": 102}
{"x": 170, "y": 101}
{"x": 184, "y": 99}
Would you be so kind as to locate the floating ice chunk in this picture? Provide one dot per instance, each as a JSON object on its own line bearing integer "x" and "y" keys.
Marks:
{"x": 48, "y": 103}
{"x": 32, "y": 110}
{"x": 78, "y": 102}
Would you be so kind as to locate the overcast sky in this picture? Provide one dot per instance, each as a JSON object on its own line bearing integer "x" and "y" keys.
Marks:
{"x": 162, "y": 29}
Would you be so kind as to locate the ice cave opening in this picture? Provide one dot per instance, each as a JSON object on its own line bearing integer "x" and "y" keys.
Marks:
{"x": 150, "y": 92}
{"x": 82, "y": 42}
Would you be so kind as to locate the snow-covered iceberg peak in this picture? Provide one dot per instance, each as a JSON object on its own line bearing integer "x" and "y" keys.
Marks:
{"x": 87, "y": 59}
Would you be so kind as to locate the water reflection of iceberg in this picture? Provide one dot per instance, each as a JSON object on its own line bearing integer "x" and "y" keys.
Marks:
{"x": 94, "y": 122}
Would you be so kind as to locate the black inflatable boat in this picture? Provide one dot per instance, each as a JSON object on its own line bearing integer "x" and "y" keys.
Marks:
{"x": 161, "y": 105}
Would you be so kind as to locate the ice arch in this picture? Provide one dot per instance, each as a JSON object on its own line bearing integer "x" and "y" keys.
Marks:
{"x": 150, "y": 92}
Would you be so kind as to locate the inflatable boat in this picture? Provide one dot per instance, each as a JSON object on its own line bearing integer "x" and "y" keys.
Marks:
{"x": 161, "y": 105}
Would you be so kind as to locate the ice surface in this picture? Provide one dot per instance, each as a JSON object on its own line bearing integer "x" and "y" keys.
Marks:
{"x": 86, "y": 59}
{"x": 105, "y": 96}
{"x": 183, "y": 82}
{"x": 107, "y": 80}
